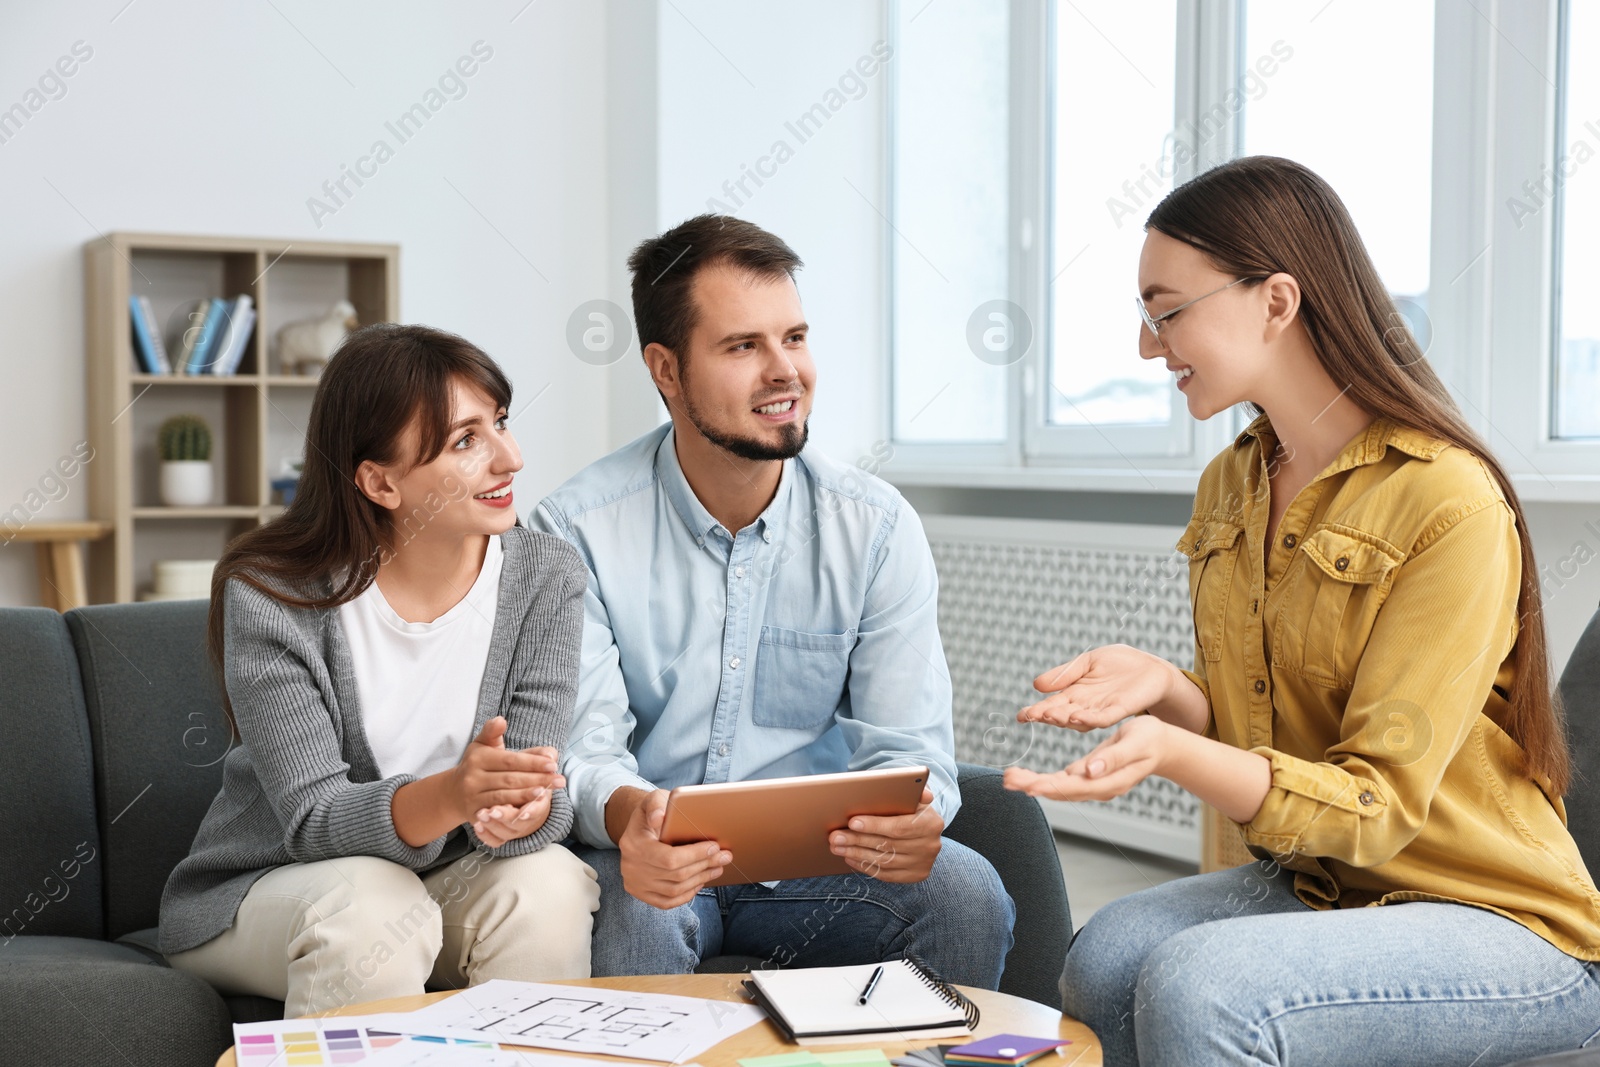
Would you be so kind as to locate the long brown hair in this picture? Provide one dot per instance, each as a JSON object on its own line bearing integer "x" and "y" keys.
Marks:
{"x": 1261, "y": 215}
{"x": 324, "y": 550}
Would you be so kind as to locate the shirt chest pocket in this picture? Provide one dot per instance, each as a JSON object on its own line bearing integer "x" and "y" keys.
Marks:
{"x": 800, "y": 677}
{"x": 1212, "y": 546}
{"x": 1323, "y": 627}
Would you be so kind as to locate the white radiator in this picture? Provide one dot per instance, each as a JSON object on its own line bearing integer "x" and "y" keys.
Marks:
{"x": 1017, "y": 597}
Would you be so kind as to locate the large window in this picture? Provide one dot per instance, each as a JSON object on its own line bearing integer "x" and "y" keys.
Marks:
{"x": 1031, "y": 140}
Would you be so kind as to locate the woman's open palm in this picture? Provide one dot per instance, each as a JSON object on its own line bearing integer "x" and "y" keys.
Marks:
{"x": 1098, "y": 688}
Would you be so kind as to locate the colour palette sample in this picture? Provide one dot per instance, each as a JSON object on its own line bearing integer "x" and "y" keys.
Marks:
{"x": 323, "y": 1043}
{"x": 312, "y": 1048}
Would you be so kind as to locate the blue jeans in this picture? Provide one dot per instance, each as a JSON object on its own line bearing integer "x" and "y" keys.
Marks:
{"x": 1231, "y": 968}
{"x": 957, "y": 920}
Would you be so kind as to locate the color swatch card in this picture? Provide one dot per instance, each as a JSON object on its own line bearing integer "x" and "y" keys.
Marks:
{"x": 329, "y": 1042}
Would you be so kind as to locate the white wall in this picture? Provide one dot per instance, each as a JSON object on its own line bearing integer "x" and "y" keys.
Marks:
{"x": 195, "y": 117}
{"x": 730, "y": 81}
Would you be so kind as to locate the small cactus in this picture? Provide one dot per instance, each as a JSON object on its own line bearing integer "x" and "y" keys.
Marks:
{"x": 185, "y": 437}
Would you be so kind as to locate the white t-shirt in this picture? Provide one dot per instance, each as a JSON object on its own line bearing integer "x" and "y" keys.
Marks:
{"x": 419, "y": 681}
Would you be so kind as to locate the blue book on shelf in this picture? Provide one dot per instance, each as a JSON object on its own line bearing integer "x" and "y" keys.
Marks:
{"x": 144, "y": 349}
{"x": 212, "y": 332}
{"x": 240, "y": 322}
{"x": 158, "y": 343}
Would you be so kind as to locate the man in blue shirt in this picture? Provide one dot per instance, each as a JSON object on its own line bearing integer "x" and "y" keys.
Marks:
{"x": 756, "y": 610}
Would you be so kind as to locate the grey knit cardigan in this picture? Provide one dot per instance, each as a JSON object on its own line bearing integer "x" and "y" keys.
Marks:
{"x": 303, "y": 785}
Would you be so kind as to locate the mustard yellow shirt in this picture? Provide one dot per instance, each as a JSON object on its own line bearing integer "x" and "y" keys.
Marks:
{"x": 1367, "y": 654}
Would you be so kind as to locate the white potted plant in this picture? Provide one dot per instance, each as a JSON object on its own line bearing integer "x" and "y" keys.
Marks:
{"x": 185, "y": 447}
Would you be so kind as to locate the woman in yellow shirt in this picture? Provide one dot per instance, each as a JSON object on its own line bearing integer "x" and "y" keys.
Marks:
{"x": 1370, "y": 699}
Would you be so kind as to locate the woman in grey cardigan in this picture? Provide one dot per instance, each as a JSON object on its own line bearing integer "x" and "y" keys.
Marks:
{"x": 400, "y": 660}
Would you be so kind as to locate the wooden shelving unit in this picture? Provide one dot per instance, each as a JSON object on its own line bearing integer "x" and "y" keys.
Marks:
{"x": 257, "y": 416}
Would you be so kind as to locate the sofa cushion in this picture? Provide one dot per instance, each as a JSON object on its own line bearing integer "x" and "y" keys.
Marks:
{"x": 59, "y": 953}
{"x": 75, "y": 1000}
{"x": 159, "y": 737}
{"x": 50, "y": 882}
{"x": 146, "y": 942}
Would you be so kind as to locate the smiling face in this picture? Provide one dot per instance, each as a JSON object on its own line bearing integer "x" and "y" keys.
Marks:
{"x": 746, "y": 376}
{"x": 1216, "y": 348}
{"x": 463, "y": 491}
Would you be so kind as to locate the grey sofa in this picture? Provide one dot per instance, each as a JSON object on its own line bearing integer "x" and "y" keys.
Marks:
{"x": 114, "y": 741}
{"x": 1580, "y": 694}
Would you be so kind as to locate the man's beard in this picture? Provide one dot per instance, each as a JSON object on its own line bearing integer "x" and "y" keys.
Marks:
{"x": 794, "y": 436}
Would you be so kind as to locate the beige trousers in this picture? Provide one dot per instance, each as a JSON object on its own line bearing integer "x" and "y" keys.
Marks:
{"x": 323, "y": 935}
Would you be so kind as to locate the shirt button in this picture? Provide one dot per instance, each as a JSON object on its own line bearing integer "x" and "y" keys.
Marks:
{"x": 1290, "y": 540}
{"x": 701, "y": 541}
{"x": 1261, "y": 687}
{"x": 738, "y": 572}
{"x": 1365, "y": 798}
{"x": 1341, "y": 564}
{"x": 734, "y": 663}
{"x": 1254, "y": 604}
{"x": 722, "y": 750}
{"x": 766, "y": 535}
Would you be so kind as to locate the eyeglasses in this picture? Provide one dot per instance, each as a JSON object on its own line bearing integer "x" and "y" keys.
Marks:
{"x": 1154, "y": 321}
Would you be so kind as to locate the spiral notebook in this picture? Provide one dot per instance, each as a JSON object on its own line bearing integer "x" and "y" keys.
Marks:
{"x": 819, "y": 1004}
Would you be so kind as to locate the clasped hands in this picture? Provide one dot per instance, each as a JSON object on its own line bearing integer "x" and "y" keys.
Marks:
{"x": 1103, "y": 687}
{"x": 507, "y": 791}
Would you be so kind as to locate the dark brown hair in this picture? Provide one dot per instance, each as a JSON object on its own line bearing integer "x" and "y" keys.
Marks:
{"x": 381, "y": 379}
{"x": 1261, "y": 215}
{"x": 664, "y": 269}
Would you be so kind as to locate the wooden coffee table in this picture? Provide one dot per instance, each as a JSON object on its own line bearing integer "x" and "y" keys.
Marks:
{"x": 1002, "y": 1013}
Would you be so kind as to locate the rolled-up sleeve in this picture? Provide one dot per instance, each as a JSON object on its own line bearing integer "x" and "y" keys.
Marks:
{"x": 900, "y": 693}
{"x": 1198, "y": 677}
{"x": 1435, "y": 648}
{"x": 596, "y": 761}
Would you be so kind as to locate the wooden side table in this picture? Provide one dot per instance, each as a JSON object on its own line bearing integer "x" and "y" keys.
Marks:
{"x": 1002, "y": 1013}
{"x": 59, "y": 546}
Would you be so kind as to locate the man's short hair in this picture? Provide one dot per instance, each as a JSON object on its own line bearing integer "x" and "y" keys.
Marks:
{"x": 664, "y": 270}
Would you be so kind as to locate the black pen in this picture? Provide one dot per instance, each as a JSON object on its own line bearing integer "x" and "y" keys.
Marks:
{"x": 872, "y": 983}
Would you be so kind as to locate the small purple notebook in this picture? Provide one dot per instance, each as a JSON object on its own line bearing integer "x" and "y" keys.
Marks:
{"x": 1015, "y": 1048}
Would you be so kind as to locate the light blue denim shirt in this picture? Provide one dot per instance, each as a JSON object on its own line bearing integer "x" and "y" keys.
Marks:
{"x": 806, "y": 643}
